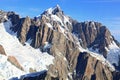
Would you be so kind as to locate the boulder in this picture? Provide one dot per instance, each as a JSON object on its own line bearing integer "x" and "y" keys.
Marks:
{"x": 2, "y": 51}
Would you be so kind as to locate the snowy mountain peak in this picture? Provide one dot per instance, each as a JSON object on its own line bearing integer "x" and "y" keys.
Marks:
{"x": 57, "y": 8}
{"x": 57, "y": 44}
{"x": 55, "y": 19}
{"x": 53, "y": 10}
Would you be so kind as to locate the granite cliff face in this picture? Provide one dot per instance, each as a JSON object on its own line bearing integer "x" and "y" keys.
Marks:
{"x": 94, "y": 35}
{"x": 81, "y": 50}
{"x": 91, "y": 69}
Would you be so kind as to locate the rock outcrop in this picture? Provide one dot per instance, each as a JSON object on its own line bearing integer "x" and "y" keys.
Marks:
{"x": 89, "y": 68}
{"x": 14, "y": 61}
{"x": 116, "y": 75}
{"x": 2, "y": 51}
{"x": 38, "y": 76}
{"x": 3, "y": 16}
{"x": 14, "y": 18}
{"x": 58, "y": 70}
{"x": 93, "y": 35}
{"x": 24, "y": 29}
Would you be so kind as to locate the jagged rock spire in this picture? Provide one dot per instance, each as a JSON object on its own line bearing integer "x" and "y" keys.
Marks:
{"x": 53, "y": 10}
{"x": 57, "y": 9}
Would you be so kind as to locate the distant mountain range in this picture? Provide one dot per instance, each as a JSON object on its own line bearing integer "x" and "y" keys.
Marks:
{"x": 53, "y": 46}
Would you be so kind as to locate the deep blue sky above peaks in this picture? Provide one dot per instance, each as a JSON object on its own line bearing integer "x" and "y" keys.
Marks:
{"x": 105, "y": 11}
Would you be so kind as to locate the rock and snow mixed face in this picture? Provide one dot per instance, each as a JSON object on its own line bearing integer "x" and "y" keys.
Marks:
{"x": 28, "y": 57}
{"x": 56, "y": 15}
{"x": 113, "y": 53}
{"x": 34, "y": 60}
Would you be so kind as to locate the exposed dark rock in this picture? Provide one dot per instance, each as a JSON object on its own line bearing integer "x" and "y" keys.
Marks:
{"x": 25, "y": 26}
{"x": 59, "y": 69}
{"x": 41, "y": 76}
{"x": 89, "y": 68}
{"x": 13, "y": 17}
{"x": 116, "y": 75}
{"x": 93, "y": 35}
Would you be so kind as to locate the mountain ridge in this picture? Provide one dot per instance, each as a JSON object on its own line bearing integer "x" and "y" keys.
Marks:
{"x": 68, "y": 42}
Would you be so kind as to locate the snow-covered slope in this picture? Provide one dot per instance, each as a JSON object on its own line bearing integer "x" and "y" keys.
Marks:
{"x": 28, "y": 57}
{"x": 7, "y": 70}
{"x": 113, "y": 53}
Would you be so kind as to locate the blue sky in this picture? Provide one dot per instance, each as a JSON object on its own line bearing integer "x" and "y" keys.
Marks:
{"x": 105, "y": 11}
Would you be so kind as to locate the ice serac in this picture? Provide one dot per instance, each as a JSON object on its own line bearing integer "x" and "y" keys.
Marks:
{"x": 81, "y": 50}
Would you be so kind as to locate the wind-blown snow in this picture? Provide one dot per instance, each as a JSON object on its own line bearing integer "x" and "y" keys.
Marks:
{"x": 27, "y": 56}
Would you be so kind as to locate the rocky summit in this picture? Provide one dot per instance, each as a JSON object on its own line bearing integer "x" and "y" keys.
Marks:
{"x": 53, "y": 46}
